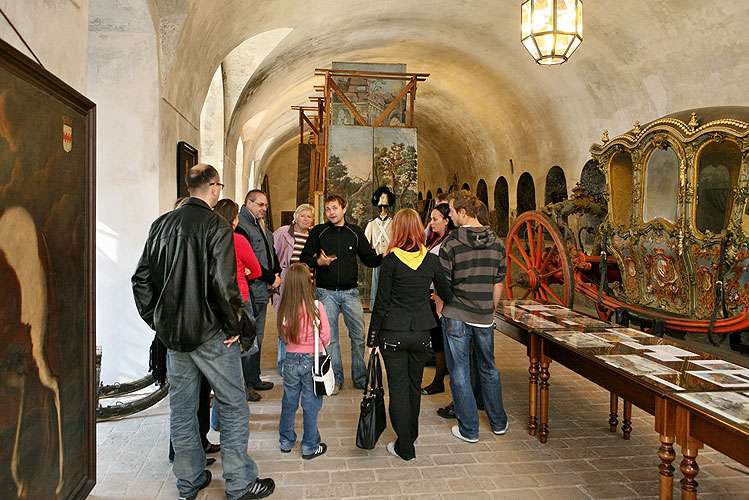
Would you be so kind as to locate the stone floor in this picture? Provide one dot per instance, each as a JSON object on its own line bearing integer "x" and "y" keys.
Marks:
{"x": 582, "y": 459}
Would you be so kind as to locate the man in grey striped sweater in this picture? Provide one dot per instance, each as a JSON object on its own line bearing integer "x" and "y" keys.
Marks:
{"x": 474, "y": 262}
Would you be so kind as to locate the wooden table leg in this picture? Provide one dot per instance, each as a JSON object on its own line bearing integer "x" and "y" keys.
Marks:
{"x": 689, "y": 447}
{"x": 665, "y": 469}
{"x": 532, "y": 386}
{"x": 544, "y": 376}
{"x": 613, "y": 409}
{"x": 690, "y": 469}
{"x": 627, "y": 420}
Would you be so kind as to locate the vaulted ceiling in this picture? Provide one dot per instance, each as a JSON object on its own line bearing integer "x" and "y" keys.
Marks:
{"x": 486, "y": 101}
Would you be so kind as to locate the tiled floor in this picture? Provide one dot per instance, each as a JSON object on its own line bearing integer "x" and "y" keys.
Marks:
{"x": 582, "y": 459}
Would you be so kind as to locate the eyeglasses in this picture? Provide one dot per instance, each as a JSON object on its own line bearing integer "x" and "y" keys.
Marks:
{"x": 217, "y": 184}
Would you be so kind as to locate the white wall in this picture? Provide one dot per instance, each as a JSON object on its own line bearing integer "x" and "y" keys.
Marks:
{"x": 123, "y": 81}
{"x": 55, "y": 31}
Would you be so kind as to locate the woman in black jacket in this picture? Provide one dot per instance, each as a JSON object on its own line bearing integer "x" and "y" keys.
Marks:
{"x": 401, "y": 321}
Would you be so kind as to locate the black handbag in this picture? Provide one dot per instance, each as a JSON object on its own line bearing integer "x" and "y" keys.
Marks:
{"x": 372, "y": 419}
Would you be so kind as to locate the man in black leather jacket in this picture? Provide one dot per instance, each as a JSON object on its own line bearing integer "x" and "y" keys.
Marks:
{"x": 185, "y": 288}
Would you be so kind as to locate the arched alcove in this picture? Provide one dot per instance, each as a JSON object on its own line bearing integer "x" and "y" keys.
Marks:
{"x": 526, "y": 194}
{"x": 502, "y": 206}
{"x": 555, "y": 189}
{"x": 594, "y": 182}
{"x": 482, "y": 192}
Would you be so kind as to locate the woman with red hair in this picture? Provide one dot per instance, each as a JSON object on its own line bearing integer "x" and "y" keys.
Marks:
{"x": 401, "y": 321}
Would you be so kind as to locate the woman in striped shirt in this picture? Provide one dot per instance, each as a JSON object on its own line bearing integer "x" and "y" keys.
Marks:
{"x": 288, "y": 242}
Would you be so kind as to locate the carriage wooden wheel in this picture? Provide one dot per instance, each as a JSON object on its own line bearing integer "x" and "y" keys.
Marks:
{"x": 538, "y": 265}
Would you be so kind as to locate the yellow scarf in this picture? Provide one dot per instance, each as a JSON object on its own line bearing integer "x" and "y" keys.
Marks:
{"x": 411, "y": 259}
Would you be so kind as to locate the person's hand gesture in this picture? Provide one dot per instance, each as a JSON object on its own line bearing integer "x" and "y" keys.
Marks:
{"x": 323, "y": 259}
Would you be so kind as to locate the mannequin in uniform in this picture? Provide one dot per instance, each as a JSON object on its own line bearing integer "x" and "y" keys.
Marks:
{"x": 378, "y": 232}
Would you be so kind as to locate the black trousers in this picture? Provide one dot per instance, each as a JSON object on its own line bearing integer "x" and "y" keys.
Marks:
{"x": 404, "y": 353}
{"x": 204, "y": 415}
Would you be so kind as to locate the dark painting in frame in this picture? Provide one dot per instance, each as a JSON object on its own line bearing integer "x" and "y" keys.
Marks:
{"x": 187, "y": 157}
{"x": 47, "y": 283}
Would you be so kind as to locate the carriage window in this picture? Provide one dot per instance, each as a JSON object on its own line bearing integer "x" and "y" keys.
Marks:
{"x": 620, "y": 172}
{"x": 661, "y": 186}
{"x": 718, "y": 168}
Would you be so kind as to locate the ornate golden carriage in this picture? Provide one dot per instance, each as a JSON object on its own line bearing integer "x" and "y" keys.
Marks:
{"x": 676, "y": 226}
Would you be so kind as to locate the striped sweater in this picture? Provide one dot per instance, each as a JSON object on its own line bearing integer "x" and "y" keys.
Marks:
{"x": 474, "y": 260}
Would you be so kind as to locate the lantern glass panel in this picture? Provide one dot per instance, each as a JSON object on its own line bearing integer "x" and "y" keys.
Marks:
{"x": 575, "y": 44}
{"x": 563, "y": 41}
{"x": 566, "y": 14}
{"x": 525, "y": 19}
{"x": 531, "y": 47}
{"x": 543, "y": 18}
{"x": 545, "y": 44}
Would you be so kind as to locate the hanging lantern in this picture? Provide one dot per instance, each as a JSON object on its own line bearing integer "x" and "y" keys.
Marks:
{"x": 551, "y": 30}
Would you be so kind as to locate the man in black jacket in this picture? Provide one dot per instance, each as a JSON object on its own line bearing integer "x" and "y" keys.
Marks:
{"x": 331, "y": 250}
{"x": 185, "y": 288}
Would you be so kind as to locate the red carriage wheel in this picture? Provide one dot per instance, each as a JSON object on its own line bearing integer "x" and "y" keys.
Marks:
{"x": 538, "y": 265}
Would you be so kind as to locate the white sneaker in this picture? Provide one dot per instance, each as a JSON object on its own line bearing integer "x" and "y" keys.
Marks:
{"x": 391, "y": 449}
{"x": 457, "y": 434}
{"x": 502, "y": 431}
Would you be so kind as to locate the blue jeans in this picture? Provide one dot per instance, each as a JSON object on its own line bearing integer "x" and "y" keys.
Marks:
{"x": 222, "y": 368}
{"x": 280, "y": 359}
{"x": 348, "y": 303}
{"x": 458, "y": 338}
{"x": 297, "y": 380}
{"x": 251, "y": 364}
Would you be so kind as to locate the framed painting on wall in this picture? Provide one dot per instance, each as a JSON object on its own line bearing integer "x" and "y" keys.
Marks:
{"x": 187, "y": 157}
{"x": 47, "y": 266}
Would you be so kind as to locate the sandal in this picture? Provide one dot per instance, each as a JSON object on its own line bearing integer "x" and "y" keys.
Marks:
{"x": 432, "y": 389}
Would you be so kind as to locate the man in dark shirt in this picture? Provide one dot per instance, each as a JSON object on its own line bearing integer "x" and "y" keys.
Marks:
{"x": 331, "y": 250}
{"x": 185, "y": 288}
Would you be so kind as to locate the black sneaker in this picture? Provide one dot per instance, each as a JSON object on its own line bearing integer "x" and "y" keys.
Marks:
{"x": 208, "y": 477}
{"x": 447, "y": 412}
{"x": 261, "y": 488}
{"x": 319, "y": 451}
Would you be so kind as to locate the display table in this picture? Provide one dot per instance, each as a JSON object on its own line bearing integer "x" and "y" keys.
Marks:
{"x": 657, "y": 375}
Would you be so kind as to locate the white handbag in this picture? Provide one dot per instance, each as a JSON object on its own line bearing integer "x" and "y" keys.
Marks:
{"x": 323, "y": 378}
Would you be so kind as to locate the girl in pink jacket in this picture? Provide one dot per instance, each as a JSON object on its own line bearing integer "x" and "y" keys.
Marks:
{"x": 298, "y": 314}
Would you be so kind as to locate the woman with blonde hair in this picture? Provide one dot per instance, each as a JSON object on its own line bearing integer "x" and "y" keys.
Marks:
{"x": 288, "y": 241}
{"x": 401, "y": 321}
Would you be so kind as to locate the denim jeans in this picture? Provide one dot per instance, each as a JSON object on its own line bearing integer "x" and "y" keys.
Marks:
{"x": 458, "y": 338}
{"x": 297, "y": 380}
{"x": 348, "y": 303}
{"x": 251, "y": 364}
{"x": 281, "y": 358}
{"x": 222, "y": 368}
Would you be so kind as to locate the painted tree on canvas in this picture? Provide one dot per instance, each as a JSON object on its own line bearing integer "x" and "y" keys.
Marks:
{"x": 396, "y": 167}
{"x": 354, "y": 190}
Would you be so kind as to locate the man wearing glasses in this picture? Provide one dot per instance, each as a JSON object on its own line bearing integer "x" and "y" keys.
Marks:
{"x": 185, "y": 288}
{"x": 252, "y": 226}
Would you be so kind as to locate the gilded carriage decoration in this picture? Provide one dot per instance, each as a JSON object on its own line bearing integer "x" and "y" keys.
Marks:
{"x": 673, "y": 246}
